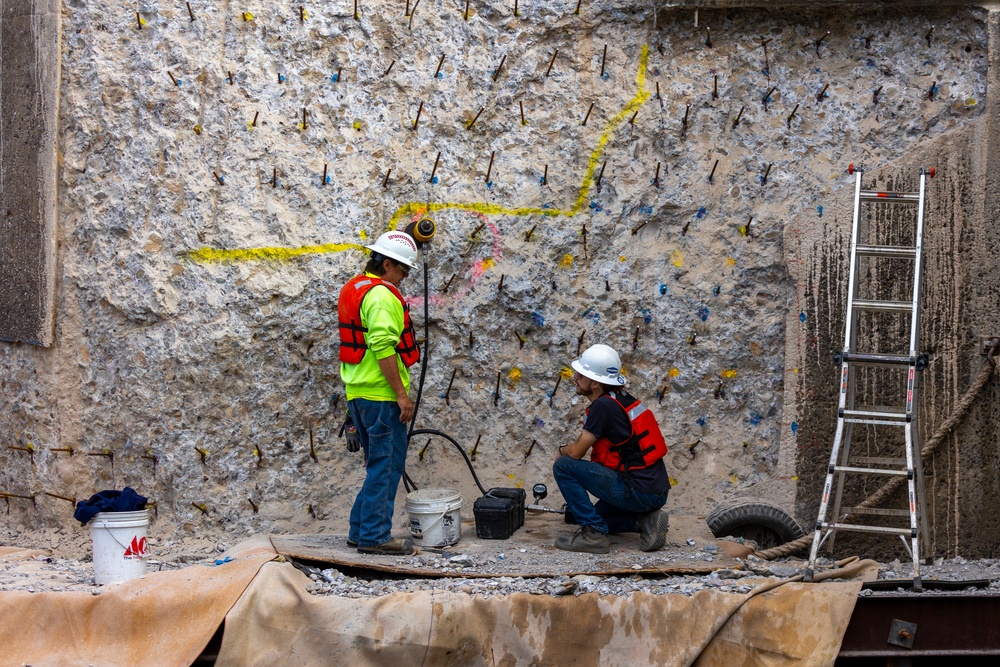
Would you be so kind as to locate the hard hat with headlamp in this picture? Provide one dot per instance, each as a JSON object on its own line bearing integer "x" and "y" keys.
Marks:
{"x": 601, "y": 364}
{"x": 398, "y": 246}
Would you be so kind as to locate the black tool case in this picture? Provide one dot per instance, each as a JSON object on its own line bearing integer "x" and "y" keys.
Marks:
{"x": 499, "y": 513}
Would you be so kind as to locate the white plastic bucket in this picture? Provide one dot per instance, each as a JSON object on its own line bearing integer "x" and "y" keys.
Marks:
{"x": 119, "y": 545}
{"x": 435, "y": 517}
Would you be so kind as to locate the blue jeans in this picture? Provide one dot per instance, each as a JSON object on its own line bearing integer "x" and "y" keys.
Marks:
{"x": 618, "y": 508}
{"x": 384, "y": 441}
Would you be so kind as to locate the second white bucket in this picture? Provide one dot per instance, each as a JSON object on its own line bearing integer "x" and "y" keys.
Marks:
{"x": 435, "y": 517}
{"x": 119, "y": 545}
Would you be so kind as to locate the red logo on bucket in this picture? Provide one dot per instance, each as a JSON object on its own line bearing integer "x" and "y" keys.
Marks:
{"x": 137, "y": 549}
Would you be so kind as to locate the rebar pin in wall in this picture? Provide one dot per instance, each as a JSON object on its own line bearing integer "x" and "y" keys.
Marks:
{"x": 496, "y": 392}
{"x": 821, "y": 94}
{"x": 551, "y": 62}
{"x": 715, "y": 86}
{"x": 477, "y": 230}
{"x": 475, "y": 118}
{"x": 201, "y": 507}
{"x": 763, "y": 179}
{"x": 767, "y": 97}
{"x": 448, "y": 284}
{"x": 583, "y": 230}
{"x": 684, "y": 229}
{"x": 520, "y": 340}
{"x": 149, "y": 456}
{"x": 635, "y": 230}
{"x": 530, "y": 448}
{"x": 203, "y": 453}
{"x": 489, "y": 169}
{"x": 68, "y": 449}
{"x": 929, "y": 36}
{"x": 708, "y": 37}
{"x": 693, "y": 338}
{"x": 788, "y": 121}
{"x": 684, "y": 123}
{"x": 711, "y": 176}
{"x": 555, "y": 389}
{"x": 691, "y": 448}
{"x": 820, "y": 41}
{"x": 876, "y": 94}
{"x": 496, "y": 74}
{"x": 579, "y": 342}
{"x": 420, "y": 109}
{"x": 423, "y": 451}
{"x": 385, "y": 181}
{"x": 656, "y": 178}
{"x": 434, "y": 170}
{"x": 71, "y": 501}
{"x": 527, "y": 234}
{"x": 500, "y": 286}
{"x": 738, "y": 116}
{"x": 587, "y": 115}
{"x": 258, "y": 452}
{"x": 253, "y": 505}
{"x": 635, "y": 339}
{"x": 604, "y": 59}
{"x": 440, "y": 64}
{"x": 191, "y": 13}
{"x": 30, "y": 448}
{"x": 475, "y": 448}
{"x": 719, "y": 392}
{"x": 312, "y": 447}
{"x": 447, "y": 392}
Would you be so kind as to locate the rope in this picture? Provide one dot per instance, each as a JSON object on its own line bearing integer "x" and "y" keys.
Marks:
{"x": 935, "y": 441}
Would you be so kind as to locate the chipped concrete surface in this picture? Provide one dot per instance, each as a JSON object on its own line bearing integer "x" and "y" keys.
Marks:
{"x": 188, "y": 367}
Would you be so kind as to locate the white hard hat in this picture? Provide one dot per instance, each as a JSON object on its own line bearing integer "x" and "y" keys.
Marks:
{"x": 396, "y": 245}
{"x": 601, "y": 364}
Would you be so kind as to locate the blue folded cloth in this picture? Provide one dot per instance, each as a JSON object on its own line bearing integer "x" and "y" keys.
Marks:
{"x": 126, "y": 500}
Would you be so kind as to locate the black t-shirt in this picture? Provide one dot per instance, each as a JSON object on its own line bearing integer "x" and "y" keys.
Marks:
{"x": 607, "y": 419}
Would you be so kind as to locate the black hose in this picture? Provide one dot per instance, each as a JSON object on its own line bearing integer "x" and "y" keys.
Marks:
{"x": 468, "y": 462}
{"x": 408, "y": 483}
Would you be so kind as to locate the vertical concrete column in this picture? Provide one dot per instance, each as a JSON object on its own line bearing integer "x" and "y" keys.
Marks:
{"x": 29, "y": 100}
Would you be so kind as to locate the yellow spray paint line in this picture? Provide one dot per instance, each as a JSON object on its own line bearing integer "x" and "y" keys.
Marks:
{"x": 211, "y": 255}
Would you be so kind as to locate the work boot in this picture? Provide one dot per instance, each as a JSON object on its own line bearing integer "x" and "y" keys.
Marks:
{"x": 653, "y": 527}
{"x": 587, "y": 540}
{"x": 397, "y": 546}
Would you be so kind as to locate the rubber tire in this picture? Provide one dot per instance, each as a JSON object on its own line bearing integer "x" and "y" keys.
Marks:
{"x": 766, "y": 524}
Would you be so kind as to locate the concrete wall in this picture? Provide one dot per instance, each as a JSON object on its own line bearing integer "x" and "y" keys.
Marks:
{"x": 194, "y": 356}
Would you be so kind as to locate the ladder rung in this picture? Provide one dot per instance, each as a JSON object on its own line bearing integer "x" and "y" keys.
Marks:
{"x": 872, "y": 471}
{"x": 875, "y": 422}
{"x": 879, "y": 359}
{"x": 885, "y": 251}
{"x": 867, "y": 529}
{"x": 877, "y": 461}
{"x": 890, "y": 197}
{"x": 876, "y": 511}
{"x": 873, "y": 414}
{"x": 871, "y": 304}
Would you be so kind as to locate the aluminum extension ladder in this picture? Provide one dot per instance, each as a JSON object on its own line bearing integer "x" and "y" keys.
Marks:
{"x": 848, "y": 415}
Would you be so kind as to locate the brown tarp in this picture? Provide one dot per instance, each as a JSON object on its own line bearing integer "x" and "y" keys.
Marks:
{"x": 161, "y": 620}
{"x": 277, "y": 621}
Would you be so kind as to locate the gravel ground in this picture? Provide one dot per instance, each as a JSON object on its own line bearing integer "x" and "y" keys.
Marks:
{"x": 66, "y": 566}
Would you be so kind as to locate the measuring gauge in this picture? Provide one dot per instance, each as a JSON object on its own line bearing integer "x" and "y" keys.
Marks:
{"x": 539, "y": 491}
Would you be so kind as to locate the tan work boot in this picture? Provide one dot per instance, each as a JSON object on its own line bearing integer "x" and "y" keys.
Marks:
{"x": 653, "y": 527}
{"x": 586, "y": 540}
{"x": 397, "y": 546}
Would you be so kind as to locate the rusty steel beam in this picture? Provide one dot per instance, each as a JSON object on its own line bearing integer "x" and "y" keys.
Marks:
{"x": 946, "y": 625}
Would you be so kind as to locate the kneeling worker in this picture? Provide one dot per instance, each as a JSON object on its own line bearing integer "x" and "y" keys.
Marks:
{"x": 377, "y": 347}
{"x": 625, "y": 471}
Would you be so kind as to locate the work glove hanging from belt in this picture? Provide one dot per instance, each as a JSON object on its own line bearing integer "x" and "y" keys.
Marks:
{"x": 350, "y": 431}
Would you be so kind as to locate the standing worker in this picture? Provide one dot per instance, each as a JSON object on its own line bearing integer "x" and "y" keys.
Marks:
{"x": 377, "y": 347}
{"x": 625, "y": 471}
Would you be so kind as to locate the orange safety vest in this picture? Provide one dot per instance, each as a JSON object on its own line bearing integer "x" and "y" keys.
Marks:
{"x": 642, "y": 449}
{"x": 352, "y": 332}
